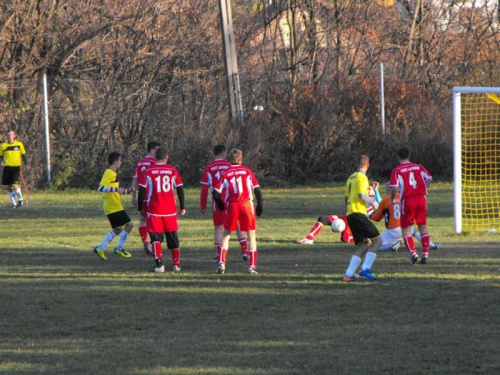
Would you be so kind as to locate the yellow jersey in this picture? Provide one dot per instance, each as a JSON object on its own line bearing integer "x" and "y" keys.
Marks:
{"x": 11, "y": 153}
{"x": 112, "y": 201}
{"x": 356, "y": 184}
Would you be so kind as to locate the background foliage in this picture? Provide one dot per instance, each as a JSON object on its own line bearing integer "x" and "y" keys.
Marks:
{"x": 124, "y": 73}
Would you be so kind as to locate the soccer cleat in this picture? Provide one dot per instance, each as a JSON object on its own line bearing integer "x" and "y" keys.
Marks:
{"x": 305, "y": 241}
{"x": 435, "y": 246}
{"x": 424, "y": 259}
{"x": 350, "y": 279}
{"x": 100, "y": 253}
{"x": 160, "y": 269}
{"x": 396, "y": 246}
{"x": 414, "y": 260}
{"x": 367, "y": 274}
{"x": 252, "y": 271}
{"x": 122, "y": 252}
{"x": 176, "y": 268}
{"x": 14, "y": 206}
{"x": 245, "y": 257}
{"x": 20, "y": 203}
{"x": 221, "y": 269}
{"x": 147, "y": 249}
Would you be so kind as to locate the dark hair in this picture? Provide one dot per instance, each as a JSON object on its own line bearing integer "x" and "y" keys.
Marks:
{"x": 161, "y": 153}
{"x": 219, "y": 149}
{"x": 114, "y": 156}
{"x": 404, "y": 153}
{"x": 152, "y": 145}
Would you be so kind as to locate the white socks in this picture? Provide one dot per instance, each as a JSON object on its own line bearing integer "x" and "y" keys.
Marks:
{"x": 107, "y": 239}
{"x": 369, "y": 259}
{"x": 122, "y": 240}
{"x": 353, "y": 266}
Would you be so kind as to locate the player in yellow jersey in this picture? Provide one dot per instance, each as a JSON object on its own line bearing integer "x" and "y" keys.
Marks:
{"x": 12, "y": 155}
{"x": 120, "y": 221}
{"x": 365, "y": 233}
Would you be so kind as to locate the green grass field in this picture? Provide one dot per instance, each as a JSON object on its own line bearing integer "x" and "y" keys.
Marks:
{"x": 65, "y": 311}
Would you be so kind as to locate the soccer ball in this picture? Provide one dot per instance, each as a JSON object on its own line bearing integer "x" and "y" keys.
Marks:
{"x": 338, "y": 225}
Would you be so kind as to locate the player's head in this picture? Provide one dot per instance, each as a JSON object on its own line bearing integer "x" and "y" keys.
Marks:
{"x": 403, "y": 153}
{"x": 220, "y": 150}
{"x": 11, "y": 135}
{"x": 235, "y": 156}
{"x": 114, "y": 157}
{"x": 363, "y": 162}
{"x": 152, "y": 146}
{"x": 161, "y": 154}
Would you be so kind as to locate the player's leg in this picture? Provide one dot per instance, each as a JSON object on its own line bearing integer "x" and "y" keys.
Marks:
{"x": 316, "y": 229}
{"x": 16, "y": 185}
{"x": 12, "y": 196}
{"x": 373, "y": 241}
{"x": 173, "y": 246}
{"x": 421, "y": 221}
{"x": 230, "y": 225}
{"x": 120, "y": 247}
{"x": 390, "y": 239}
{"x": 8, "y": 181}
{"x": 243, "y": 240}
{"x": 218, "y": 235}
{"x": 143, "y": 232}
{"x": 221, "y": 261}
{"x": 247, "y": 223}
{"x": 408, "y": 207}
{"x": 116, "y": 222}
{"x": 156, "y": 240}
{"x": 416, "y": 234}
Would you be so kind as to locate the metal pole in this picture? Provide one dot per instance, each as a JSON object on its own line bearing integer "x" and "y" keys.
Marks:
{"x": 457, "y": 159}
{"x": 382, "y": 101}
{"x": 47, "y": 134}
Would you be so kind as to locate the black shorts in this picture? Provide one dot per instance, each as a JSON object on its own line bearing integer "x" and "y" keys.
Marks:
{"x": 119, "y": 219}
{"x": 362, "y": 228}
{"x": 10, "y": 175}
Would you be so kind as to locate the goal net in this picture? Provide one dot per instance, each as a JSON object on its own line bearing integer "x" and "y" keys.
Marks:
{"x": 476, "y": 147}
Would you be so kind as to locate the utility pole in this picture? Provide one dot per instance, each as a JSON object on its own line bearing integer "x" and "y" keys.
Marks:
{"x": 231, "y": 62}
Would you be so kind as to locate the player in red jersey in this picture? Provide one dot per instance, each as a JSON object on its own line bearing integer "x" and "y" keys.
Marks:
{"x": 211, "y": 177}
{"x": 346, "y": 235}
{"x": 161, "y": 210}
{"x": 239, "y": 184}
{"x": 137, "y": 179}
{"x": 412, "y": 181}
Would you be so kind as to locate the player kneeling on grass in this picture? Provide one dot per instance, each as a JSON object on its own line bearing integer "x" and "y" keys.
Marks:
{"x": 237, "y": 183}
{"x": 161, "y": 179}
{"x": 120, "y": 222}
{"x": 366, "y": 235}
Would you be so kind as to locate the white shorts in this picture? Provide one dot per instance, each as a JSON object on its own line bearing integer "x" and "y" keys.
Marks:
{"x": 389, "y": 236}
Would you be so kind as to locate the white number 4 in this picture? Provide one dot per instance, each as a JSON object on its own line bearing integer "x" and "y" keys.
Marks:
{"x": 412, "y": 180}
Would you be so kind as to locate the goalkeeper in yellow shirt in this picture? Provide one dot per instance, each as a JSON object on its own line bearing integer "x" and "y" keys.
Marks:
{"x": 12, "y": 155}
{"x": 121, "y": 224}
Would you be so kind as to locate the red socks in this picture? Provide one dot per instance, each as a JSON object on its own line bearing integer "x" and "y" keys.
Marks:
{"x": 143, "y": 232}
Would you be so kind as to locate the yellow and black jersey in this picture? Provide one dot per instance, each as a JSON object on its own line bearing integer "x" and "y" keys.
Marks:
{"x": 112, "y": 201}
{"x": 356, "y": 184}
{"x": 11, "y": 153}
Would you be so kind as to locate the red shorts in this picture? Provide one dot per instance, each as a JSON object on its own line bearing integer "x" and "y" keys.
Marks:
{"x": 161, "y": 224}
{"x": 218, "y": 216}
{"x": 241, "y": 212}
{"x": 414, "y": 211}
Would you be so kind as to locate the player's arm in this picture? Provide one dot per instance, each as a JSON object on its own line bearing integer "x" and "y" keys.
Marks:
{"x": 260, "y": 204}
{"x": 109, "y": 189}
{"x": 203, "y": 197}
{"x": 368, "y": 200}
{"x": 181, "y": 196}
{"x": 379, "y": 214}
{"x": 133, "y": 190}
{"x": 25, "y": 161}
{"x": 218, "y": 201}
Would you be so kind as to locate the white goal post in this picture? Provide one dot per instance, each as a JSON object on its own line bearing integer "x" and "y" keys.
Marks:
{"x": 476, "y": 158}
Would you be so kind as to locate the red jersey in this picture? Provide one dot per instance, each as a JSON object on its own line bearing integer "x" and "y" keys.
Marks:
{"x": 140, "y": 168}
{"x": 411, "y": 179}
{"x": 238, "y": 182}
{"x": 211, "y": 177}
{"x": 161, "y": 181}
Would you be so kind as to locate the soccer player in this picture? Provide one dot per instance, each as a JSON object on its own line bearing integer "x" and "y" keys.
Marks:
{"x": 412, "y": 181}
{"x": 161, "y": 179}
{"x": 139, "y": 178}
{"x": 391, "y": 213}
{"x": 237, "y": 186}
{"x": 366, "y": 235}
{"x": 211, "y": 177}
{"x": 121, "y": 225}
{"x": 346, "y": 235}
{"x": 11, "y": 154}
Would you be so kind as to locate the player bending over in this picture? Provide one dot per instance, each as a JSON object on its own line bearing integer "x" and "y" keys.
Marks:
{"x": 391, "y": 213}
{"x": 161, "y": 179}
{"x": 346, "y": 234}
{"x": 11, "y": 154}
{"x": 412, "y": 181}
{"x": 237, "y": 185}
{"x": 121, "y": 225}
{"x": 211, "y": 177}
{"x": 139, "y": 178}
